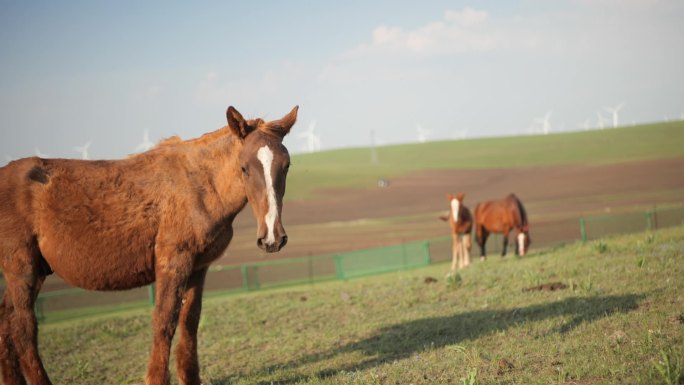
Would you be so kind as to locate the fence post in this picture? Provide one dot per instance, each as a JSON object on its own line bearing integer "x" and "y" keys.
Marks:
{"x": 245, "y": 279}
{"x": 150, "y": 293}
{"x": 257, "y": 285}
{"x": 649, "y": 220}
{"x": 403, "y": 256}
{"x": 311, "y": 272}
{"x": 583, "y": 230}
{"x": 426, "y": 250}
{"x": 339, "y": 272}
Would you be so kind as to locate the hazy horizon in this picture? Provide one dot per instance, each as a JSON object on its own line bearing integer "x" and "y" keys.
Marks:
{"x": 362, "y": 72}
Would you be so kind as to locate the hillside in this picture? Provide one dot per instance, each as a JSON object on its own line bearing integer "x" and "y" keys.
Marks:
{"x": 615, "y": 318}
{"x": 312, "y": 173}
{"x": 333, "y": 202}
{"x": 642, "y": 167}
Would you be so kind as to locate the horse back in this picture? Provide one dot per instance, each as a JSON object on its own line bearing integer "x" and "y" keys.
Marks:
{"x": 91, "y": 221}
{"x": 496, "y": 216}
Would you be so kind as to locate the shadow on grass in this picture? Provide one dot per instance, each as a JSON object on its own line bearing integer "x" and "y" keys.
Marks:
{"x": 403, "y": 340}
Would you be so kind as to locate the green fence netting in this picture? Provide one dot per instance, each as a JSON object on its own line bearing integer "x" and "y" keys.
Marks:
{"x": 597, "y": 227}
{"x": 381, "y": 260}
{"x": 75, "y": 303}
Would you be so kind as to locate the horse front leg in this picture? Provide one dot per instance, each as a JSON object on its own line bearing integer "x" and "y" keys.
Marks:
{"x": 482, "y": 234}
{"x": 23, "y": 287}
{"x": 9, "y": 360}
{"x": 459, "y": 252}
{"x": 187, "y": 363}
{"x": 505, "y": 243}
{"x": 171, "y": 278}
{"x": 455, "y": 246}
{"x": 466, "y": 249}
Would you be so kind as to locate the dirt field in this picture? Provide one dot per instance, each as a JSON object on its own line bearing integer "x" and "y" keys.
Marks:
{"x": 425, "y": 192}
{"x": 550, "y": 194}
{"x": 407, "y": 210}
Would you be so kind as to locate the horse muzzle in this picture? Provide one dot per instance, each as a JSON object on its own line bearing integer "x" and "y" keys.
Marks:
{"x": 274, "y": 246}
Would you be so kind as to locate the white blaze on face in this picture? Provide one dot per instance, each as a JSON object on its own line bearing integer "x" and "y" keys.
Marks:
{"x": 265, "y": 155}
{"x": 521, "y": 244}
{"x": 454, "y": 209}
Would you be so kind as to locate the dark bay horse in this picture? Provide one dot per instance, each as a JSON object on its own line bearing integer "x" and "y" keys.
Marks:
{"x": 461, "y": 225}
{"x": 160, "y": 216}
{"x": 502, "y": 216}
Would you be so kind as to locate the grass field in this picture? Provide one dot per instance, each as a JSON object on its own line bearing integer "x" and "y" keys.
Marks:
{"x": 353, "y": 167}
{"x": 620, "y": 320}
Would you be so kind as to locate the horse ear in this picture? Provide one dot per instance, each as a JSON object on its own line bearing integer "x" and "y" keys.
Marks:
{"x": 237, "y": 123}
{"x": 449, "y": 197}
{"x": 282, "y": 126}
{"x": 460, "y": 196}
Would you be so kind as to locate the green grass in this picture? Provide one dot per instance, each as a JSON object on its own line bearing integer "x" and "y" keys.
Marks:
{"x": 352, "y": 167}
{"x": 619, "y": 321}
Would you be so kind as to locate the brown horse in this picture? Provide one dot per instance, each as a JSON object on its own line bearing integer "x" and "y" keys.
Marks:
{"x": 160, "y": 216}
{"x": 461, "y": 224}
{"x": 502, "y": 216}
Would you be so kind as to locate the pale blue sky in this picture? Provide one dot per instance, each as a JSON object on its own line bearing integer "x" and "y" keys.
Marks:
{"x": 104, "y": 72}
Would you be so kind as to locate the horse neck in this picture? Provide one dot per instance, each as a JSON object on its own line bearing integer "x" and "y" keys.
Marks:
{"x": 218, "y": 173}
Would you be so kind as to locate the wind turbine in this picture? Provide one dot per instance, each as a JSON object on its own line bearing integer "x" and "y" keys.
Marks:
{"x": 40, "y": 154}
{"x": 374, "y": 151}
{"x": 585, "y": 125}
{"x": 614, "y": 111}
{"x": 317, "y": 143}
{"x": 422, "y": 134}
{"x": 544, "y": 121}
{"x": 600, "y": 120}
{"x": 83, "y": 150}
{"x": 146, "y": 143}
{"x": 313, "y": 141}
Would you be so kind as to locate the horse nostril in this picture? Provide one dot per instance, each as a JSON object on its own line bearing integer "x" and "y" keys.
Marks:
{"x": 273, "y": 246}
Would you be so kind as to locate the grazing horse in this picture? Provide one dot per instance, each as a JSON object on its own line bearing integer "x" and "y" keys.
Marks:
{"x": 502, "y": 216}
{"x": 160, "y": 216}
{"x": 461, "y": 224}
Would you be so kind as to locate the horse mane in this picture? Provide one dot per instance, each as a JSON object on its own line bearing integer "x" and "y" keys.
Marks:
{"x": 521, "y": 209}
{"x": 204, "y": 139}
{"x": 170, "y": 140}
{"x": 256, "y": 124}
{"x": 175, "y": 141}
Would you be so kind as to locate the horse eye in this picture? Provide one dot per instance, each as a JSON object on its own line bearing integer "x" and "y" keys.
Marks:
{"x": 244, "y": 171}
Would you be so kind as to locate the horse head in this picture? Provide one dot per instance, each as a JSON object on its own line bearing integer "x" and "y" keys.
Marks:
{"x": 455, "y": 203}
{"x": 523, "y": 240}
{"x": 264, "y": 162}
